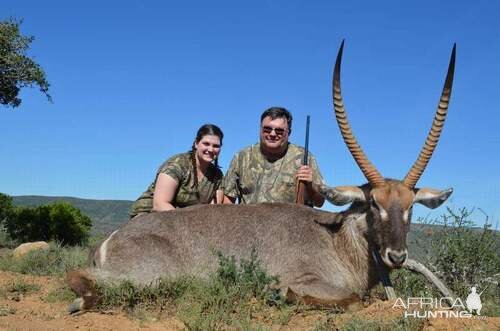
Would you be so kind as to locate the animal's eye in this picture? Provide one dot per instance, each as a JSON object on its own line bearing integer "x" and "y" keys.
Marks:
{"x": 374, "y": 204}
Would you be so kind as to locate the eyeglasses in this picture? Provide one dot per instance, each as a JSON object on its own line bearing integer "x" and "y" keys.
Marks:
{"x": 277, "y": 131}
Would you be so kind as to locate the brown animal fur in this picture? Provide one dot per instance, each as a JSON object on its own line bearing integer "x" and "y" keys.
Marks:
{"x": 314, "y": 256}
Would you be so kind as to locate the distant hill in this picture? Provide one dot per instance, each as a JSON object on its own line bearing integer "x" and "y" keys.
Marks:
{"x": 106, "y": 215}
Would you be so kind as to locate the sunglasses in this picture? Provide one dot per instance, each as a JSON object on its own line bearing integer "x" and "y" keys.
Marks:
{"x": 277, "y": 131}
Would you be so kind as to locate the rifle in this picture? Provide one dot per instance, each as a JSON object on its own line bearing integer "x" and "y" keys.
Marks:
{"x": 300, "y": 187}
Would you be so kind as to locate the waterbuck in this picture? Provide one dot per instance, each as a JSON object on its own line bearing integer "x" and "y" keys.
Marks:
{"x": 320, "y": 257}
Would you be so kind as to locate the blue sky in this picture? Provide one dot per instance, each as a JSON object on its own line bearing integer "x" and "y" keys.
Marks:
{"x": 133, "y": 80}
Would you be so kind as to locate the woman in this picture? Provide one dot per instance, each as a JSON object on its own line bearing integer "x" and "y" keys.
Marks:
{"x": 188, "y": 178}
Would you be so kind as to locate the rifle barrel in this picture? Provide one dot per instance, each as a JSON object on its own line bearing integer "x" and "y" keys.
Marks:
{"x": 305, "y": 161}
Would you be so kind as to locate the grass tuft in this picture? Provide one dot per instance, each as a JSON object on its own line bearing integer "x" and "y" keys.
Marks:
{"x": 7, "y": 310}
{"x": 229, "y": 297}
{"x": 60, "y": 294}
{"x": 129, "y": 296}
{"x": 19, "y": 288}
{"x": 53, "y": 262}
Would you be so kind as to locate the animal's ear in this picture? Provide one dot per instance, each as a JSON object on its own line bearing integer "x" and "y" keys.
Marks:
{"x": 342, "y": 195}
{"x": 432, "y": 198}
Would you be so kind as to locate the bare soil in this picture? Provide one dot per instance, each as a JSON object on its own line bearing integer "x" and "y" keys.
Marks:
{"x": 32, "y": 311}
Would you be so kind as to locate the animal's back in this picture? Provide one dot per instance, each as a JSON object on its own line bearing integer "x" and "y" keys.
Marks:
{"x": 285, "y": 236}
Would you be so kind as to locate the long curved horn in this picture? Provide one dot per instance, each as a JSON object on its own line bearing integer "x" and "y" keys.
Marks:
{"x": 364, "y": 164}
{"x": 432, "y": 140}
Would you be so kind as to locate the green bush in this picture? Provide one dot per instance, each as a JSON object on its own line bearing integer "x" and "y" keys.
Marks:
{"x": 6, "y": 240}
{"x": 20, "y": 286}
{"x": 409, "y": 284}
{"x": 61, "y": 293}
{"x": 249, "y": 275}
{"x": 29, "y": 224}
{"x": 6, "y": 207}
{"x": 462, "y": 256}
{"x": 69, "y": 224}
{"x": 6, "y": 212}
{"x": 465, "y": 256}
{"x": 53, "y": 262}
{"x": 227, "y": 298}
{"x": 157, "y": 295}
{"x": 58, "y": 221}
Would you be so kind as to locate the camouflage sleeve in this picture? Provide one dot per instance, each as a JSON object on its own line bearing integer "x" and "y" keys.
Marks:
{"x": 229, "y": 181}
{"x": 317, "y": 178}
{"x": 175, "y": 168}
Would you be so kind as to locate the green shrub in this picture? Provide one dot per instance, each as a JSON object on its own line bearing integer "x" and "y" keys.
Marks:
{"x": 58, "y": 221}
{"x": 410, "y": 284}
{"x": 128, "y": 296}
{"x": 7, "y": 310}
{"x": 462, "y": 256}
{"x": 61, "y": 293}
{"x": 69, "y": 224}
{"x": 55, "y": 261}
{"x": 6, "y": 240}
{"x": 249, "y": 275}
{"x": 20, "y": 286}
{"x": 226, "y": 298}
{"x": 17, "y": 289}
{"x": 6, "y": 211}
{"x": 29, "y": 224}
{"x": 465, "y": 256}
{"x": 6, "y": 207}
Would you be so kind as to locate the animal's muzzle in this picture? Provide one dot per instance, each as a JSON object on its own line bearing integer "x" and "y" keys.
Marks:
{"x": 397, "y": 257}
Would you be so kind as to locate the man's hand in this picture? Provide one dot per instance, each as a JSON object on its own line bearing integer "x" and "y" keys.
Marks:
{"x": 304, "y": 174}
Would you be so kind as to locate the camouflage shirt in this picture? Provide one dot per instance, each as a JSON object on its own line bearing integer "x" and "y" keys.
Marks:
{"x": 180, "y": 168}
{"x": 258, "y": 180}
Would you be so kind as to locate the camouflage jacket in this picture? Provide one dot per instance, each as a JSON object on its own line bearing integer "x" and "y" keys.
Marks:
{"x": 180, "y": 168}
{"x": 254, "y": 179}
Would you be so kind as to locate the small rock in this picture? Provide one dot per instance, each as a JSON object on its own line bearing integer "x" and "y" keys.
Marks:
{"x": 25, "y": 248}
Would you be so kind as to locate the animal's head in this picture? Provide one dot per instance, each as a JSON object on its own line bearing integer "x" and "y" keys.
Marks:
{"x": 389, "y": 202}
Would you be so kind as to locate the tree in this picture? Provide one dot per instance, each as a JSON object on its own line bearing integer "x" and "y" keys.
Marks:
{"x": 69, "y": 225}
{"x": 57, "y": 221}
{"x": 17, "y": 70}
{"x": 29, "y": 224}
{"x": 5, "y": 207}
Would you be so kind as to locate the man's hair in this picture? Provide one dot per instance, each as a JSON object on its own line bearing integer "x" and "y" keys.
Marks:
{"x": 278, "y": 112}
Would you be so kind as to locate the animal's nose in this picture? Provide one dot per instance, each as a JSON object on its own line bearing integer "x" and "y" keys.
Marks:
{"x": 397, "y": 257}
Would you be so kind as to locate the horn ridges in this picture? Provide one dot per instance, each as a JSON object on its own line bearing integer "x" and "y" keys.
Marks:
{"x": 432, "y": 139}
{"x": 368, "y": 169}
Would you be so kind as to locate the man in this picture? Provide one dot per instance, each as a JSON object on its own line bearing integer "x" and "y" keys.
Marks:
{"x": 268, "y": 171}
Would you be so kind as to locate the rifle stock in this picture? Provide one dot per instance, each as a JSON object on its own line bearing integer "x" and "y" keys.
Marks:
{"x": 300, "y": 195}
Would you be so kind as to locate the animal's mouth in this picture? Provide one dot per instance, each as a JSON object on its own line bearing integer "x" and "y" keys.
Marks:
{"x": 394, "y": 259}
